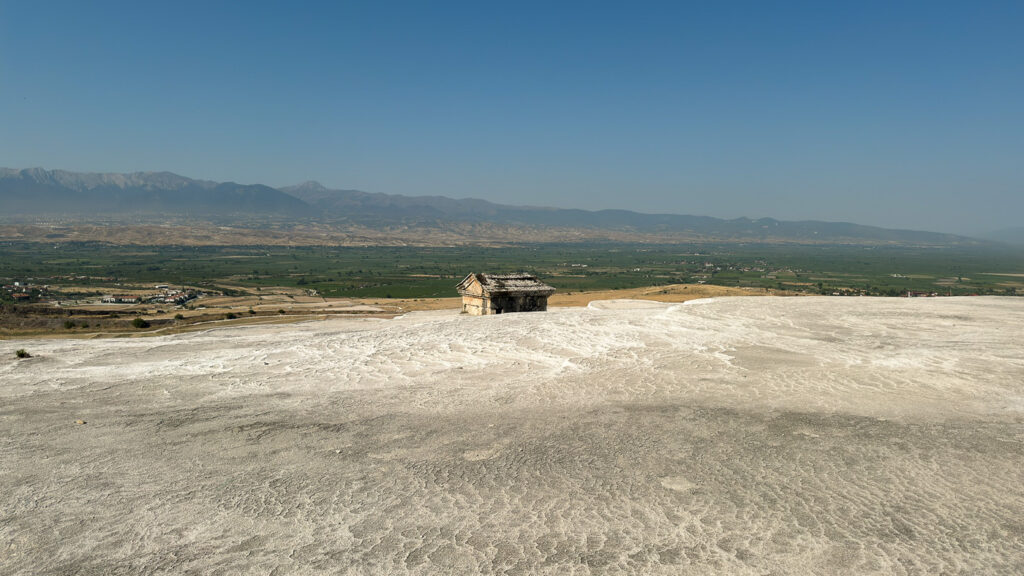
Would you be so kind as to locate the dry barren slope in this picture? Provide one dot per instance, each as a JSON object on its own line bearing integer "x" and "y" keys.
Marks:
{"x": 734, "y": 436}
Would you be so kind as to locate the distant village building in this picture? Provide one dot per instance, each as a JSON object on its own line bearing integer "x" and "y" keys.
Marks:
{"x": 121, "y": 299}
{"x": 503, "y": 293}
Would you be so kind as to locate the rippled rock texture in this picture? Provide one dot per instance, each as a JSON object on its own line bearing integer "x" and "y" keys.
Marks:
{"x": 734, "y": 436}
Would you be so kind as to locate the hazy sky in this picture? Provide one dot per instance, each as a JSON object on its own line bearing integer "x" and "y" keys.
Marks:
{"x": 900, "y": 114}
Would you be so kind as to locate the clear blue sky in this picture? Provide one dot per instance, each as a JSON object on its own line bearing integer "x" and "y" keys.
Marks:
{"x": 900, "y": 114}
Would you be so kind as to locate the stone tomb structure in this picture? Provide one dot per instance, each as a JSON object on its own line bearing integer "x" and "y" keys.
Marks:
{"x": 503, "y": 293}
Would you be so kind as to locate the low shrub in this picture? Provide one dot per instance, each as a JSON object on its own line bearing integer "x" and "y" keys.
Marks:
{"x": 230, "y": 316}
{"x": 140, "y": 323}
{"x": 21, "y": 353}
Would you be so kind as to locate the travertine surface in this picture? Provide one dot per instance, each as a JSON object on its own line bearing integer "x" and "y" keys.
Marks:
{"x": 732, "y": 436}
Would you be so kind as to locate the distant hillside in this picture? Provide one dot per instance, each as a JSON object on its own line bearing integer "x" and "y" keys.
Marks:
{"x": 366, "y": 206}
{"x": 36, "y": 192}
{"x": 1008, "y": 235}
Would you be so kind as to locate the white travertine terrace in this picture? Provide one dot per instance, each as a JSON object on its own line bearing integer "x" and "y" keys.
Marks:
{"x": 738, "y": 436}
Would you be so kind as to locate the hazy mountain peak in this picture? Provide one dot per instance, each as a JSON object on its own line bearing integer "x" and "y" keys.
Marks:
{"x": 313, "y": 191}
{"x": 311, "y": 185}
{"x": 41, "y": 191}
{"x": 80, "y": 181}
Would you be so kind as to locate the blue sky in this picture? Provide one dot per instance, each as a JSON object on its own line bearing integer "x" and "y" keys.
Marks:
{"x": 899, "y": 114}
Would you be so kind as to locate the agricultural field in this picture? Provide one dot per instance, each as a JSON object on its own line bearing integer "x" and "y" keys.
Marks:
{"x": 91, "y": 269}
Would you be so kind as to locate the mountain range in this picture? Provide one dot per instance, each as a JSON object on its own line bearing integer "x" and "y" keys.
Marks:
{"x": 35, "y": 193}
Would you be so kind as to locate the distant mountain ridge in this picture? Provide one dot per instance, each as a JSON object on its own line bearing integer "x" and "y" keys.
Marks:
{"x": 35, "y": 192}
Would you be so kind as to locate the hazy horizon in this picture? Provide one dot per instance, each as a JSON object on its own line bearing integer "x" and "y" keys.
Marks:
{"x": 895, "y": 116}
{"x": 981, "y": 234}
